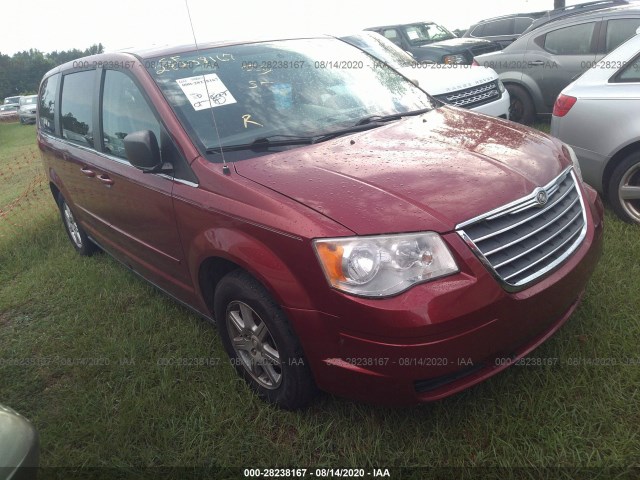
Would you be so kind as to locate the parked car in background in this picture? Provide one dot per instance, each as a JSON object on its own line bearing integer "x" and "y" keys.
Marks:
{"x": 430, "y": 42}
{"x": 27, "y": 110}
{"x": 327, "y": 213}
{"x": 12, "y": 100}
{"x": 599, "y": 116}
{"x": 503, "y": 30}
{"x": 571, "y": 10}
{"x": 19, "y": 446}
{"x": 475, "y": 88}
{"x": 537, "y": 66}
{"x": 9, "y": 112}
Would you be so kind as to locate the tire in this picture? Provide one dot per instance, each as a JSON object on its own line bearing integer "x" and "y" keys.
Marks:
{"x": 521, "y": 107}
{"x": 623, "y": 190}
{"x": 76, "y": 233}
{"x": 260, "y": 343}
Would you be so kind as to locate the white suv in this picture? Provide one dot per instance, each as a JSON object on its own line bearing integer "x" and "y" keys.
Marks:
{"x": 473, "y": 87}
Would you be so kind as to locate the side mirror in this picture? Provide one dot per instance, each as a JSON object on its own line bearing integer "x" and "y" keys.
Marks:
{"x": 143, "y": 151}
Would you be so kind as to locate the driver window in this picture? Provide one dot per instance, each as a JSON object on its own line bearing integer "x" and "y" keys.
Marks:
{"x": 124, "y": 110}
{"x": 392, "y": 34}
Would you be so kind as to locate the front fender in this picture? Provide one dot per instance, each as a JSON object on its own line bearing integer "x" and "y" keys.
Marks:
{"x": 253, "y": 255}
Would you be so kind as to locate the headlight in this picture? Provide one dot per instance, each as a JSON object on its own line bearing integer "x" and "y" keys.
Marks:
{"x": 501, "y": 86}
{"x": 574, "y": 160}
{"x": 454, "y": 59}
{"x": 377, "y": 266}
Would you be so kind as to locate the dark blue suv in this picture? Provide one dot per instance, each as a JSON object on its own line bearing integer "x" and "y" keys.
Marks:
{"x": 430, "y": 42}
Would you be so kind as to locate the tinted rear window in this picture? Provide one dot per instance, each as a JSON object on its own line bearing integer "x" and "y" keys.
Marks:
{"x": 498, "y": 27}
{"x": 521, "y": 24}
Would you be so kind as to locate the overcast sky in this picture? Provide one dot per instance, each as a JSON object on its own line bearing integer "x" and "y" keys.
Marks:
{"x": 65, "y": 24}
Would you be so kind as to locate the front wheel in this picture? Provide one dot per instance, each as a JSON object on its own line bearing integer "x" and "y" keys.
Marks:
{"x": 260, "y": 343}
{"x": 521, "y": 107}
{"x": 624, "y": 189}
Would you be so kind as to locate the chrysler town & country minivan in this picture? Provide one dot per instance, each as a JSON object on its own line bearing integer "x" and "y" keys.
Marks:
{"x": 344, "y": 230}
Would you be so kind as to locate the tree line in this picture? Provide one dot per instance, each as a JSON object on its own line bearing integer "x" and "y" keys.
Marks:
{"x": 20, "y": 74}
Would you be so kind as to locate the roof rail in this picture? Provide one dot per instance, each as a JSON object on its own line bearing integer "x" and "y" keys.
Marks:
{"x": 560, "y": 13}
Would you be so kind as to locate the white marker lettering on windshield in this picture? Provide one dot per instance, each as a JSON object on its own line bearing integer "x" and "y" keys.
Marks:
{"x": 246, "y": 118}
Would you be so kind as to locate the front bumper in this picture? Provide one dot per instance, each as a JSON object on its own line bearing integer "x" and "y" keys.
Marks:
{"x": 442, "y": 337}
{"x": 27, "y": 117}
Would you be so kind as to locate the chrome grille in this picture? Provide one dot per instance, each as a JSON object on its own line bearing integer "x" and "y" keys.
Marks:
{"x": 474, "y": 96}
{"x": 528, "y": 238}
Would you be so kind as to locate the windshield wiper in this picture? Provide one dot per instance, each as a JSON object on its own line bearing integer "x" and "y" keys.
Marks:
{"x": 388, "y": 118}
{"x": 265, "y": 142}
{"x": 378, "y": 118}
{"x": 366, "y": 123}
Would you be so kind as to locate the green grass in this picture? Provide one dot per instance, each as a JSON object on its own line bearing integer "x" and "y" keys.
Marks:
{"x": 126, "y": 409}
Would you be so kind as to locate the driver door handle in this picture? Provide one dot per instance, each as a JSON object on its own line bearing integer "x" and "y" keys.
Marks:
{"x": 535, "y": 62}
{"x": 87, "y": 172}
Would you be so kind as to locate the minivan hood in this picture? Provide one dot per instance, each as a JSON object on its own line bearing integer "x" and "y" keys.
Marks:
{"x": 422, "y": 173}
{"x": 456, "y": 44}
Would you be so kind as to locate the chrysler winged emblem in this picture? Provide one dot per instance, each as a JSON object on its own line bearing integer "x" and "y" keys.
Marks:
{"x": 541, "y": 197}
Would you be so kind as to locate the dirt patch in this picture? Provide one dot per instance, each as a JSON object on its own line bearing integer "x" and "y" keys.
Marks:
{"x": 5, "y": 319}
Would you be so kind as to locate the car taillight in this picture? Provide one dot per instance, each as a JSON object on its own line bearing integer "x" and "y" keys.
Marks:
{"x": 563, "y": 105}
{"x": 475, "y": 63}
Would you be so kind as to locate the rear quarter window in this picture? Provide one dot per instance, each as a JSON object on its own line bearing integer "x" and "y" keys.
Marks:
{"x": 630, "y": 73}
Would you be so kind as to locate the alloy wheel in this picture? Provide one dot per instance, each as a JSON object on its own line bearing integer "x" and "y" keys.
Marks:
{"x": 72, "y": 226}
{"x": 629, "y": 192}
{"x": 254, "y": 345}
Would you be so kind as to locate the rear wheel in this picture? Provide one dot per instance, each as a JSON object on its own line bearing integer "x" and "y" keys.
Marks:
{"x": 624, "y": 189}
{"x": 521, "y": 107}
{"x": 76, "y": 233}
{"x": 260, "y": 342}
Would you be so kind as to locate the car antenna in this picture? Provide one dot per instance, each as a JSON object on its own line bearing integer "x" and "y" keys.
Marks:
{"x": 225, "y": 166}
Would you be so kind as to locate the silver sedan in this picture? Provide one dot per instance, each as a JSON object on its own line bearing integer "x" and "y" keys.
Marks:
{"x": 599, "y": 116}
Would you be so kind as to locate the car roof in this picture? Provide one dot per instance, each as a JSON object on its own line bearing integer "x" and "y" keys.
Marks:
{"x": 157, "y": 51}
{"x": 512, "y": 15}
{"x": 583, "y": 10}
{"x": 401, "y": 25}
{"x": 145, "y": 53}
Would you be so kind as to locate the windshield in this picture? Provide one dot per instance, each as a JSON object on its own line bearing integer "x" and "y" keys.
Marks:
{"x": 288, "y": 88}
{"x": 379, "y": 47}
{"x": 31, "y": 100}
{"x": 424, "y": 33}
{"x": 11, "y": 100}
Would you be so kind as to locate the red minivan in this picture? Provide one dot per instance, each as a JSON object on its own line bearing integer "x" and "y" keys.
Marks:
{"x": 345, "y": 231}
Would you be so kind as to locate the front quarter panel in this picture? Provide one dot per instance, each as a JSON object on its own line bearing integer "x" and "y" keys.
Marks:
{"x": 263, "y": 232}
